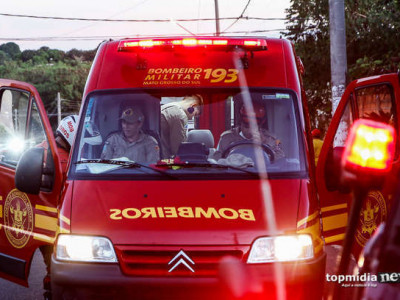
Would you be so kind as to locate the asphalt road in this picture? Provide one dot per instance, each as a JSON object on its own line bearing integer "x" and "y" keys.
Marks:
{"x": 9, "y": 290}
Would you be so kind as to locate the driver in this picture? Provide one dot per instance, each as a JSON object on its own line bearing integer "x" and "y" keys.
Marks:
{"x": 243, "y": 132}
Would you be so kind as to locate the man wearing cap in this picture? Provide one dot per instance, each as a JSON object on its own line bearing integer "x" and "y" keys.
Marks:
{"x": 243, "y": 132}
{"x": 132, "y": 142}
{"x": 174, "y": 120}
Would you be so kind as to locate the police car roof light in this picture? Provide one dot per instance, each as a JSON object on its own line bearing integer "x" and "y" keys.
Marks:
{"x": 211, "y": 43}
{"x": 369, "y": 148}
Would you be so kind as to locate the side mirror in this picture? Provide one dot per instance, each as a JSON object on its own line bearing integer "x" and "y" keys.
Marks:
{"x": 333, "y": 171}
{"x": 28, "y": 176}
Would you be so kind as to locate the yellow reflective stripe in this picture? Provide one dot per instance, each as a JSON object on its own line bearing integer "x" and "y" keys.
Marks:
{"x": 45, "y": 222}
{"x": 46, "y": 208}
{"x": 63, "y": 230}
{"x": 65, "y": 219}
{"x": 334, "y": 238}
{"x": 43, "y": 238}
{"x": 335, "y": 221}
{"x": 334, "y": 207}
{"x": 313, "y": 229}
{"x": 1, "y": 211}
{"x": 1, "y": 198}
{"x": 307, "y": 219}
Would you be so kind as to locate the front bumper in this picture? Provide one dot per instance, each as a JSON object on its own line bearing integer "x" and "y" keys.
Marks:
{"x": 303, "y": 280}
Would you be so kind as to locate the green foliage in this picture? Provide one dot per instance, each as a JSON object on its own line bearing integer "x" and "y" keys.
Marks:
{"x": 12, "y": 49}
{"x": 372, "y": 34}
{"x": 50, "y": 71}
{"x": 4, "y": 57}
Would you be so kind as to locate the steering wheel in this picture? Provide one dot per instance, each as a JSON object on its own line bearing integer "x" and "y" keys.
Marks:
{"x": 266, "y": 148}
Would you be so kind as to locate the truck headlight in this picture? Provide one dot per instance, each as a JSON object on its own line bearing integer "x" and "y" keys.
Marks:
{"x": 85, "y": 248}
{"x": 281, "y": 248}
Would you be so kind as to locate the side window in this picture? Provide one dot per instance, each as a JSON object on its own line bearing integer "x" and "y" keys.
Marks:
{"x": 344, "y": 125}
{"x": 13, "y": 117}
{"x": 36, "y": 133}
{"x": 376, "y": 103}
{"x": 332, "y": 165}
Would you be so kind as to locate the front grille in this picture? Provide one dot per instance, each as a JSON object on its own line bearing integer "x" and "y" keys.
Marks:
{"x": 153, "y": 261}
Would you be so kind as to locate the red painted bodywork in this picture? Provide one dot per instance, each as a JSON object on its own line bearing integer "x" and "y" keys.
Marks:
{"x": 50, "y": 199}
{"x": 86, "y": 204}
{"x": 179, "y": 230}
{"x": 341, "y": 199}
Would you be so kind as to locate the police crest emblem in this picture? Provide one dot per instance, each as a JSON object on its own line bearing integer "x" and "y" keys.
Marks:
{"x": 18, "y": 218}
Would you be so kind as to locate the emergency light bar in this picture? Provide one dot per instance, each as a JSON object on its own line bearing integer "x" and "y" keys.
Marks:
{"x": 211, "y": 43}
{"x": 370, "y": 147}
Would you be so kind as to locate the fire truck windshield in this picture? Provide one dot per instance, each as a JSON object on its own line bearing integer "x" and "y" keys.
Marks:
{"x": 215, "y": 132}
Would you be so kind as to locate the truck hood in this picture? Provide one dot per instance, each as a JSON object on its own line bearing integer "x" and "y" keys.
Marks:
{"x": 215, "y": 212}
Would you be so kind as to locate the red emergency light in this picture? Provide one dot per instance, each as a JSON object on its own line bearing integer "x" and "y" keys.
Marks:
{"x": 370, "y": 147}
{"x": 211, "y": 43}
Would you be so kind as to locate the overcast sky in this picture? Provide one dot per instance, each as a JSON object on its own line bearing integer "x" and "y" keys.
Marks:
{"x": 43, "y": 32}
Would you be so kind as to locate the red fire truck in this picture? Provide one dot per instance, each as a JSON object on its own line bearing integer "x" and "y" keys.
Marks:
{"x": 160, "y": 229}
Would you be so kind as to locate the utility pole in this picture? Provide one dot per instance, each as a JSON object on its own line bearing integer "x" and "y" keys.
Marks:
{"x": 58, "y": 108}
{"x": 337, "y": 28}
{"x": 217, "y": 30}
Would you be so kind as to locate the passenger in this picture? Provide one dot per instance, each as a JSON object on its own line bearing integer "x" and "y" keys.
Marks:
{"x": 243, "y": 132}
{"x": 132, "y": 142}
{"x": 65, "y": 134}
{"x": 317, "y": 143}
{"x": 174, "y": 120}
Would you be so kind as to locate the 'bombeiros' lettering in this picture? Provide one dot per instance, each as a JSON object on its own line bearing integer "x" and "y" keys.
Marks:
{"x": 182, "y": 212}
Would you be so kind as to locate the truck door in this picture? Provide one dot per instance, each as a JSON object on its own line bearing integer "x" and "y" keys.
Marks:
{"x": 374, "y": 98}
{"x": 26, "y": 221}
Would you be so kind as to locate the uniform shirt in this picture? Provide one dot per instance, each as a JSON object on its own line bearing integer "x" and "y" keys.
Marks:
{"x": 234, "y": 135}
{"x": 144, "y": 150}
{"x": 64, "y": 157}
{"x": 173, "y": 128}
{"x": 317, "y": 148}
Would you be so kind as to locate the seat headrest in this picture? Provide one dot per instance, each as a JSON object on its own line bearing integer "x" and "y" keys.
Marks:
{"x": 203, "y": 136}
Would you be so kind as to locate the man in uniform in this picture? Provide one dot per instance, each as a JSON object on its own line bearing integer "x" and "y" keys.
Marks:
{"x": 132, "y": 143}
{"x": 174, "y": 120}
{"x": 65, "y": 135}
{"x": 243, "y": 132}
{"x": 317, "y": 143}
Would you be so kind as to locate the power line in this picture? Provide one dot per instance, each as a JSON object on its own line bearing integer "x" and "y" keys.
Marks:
{"x": 91, "y": 38}
{"x": 139, "y": 20}
{"x": 112, "y": 16}
{"x": 240, "y": 16}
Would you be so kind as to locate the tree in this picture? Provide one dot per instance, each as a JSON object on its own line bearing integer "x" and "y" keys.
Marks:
{"x": 50, "y": 71}
{"x": 12, "y": 49}
{"x": 372, "y": 34}
{"x": 4, "y": 57}
{"x": 27, "y": 55}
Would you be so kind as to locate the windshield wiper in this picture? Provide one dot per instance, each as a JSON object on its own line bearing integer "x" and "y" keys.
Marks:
{"x": 122, "y": 164}
{"x": 204, "y": 165}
